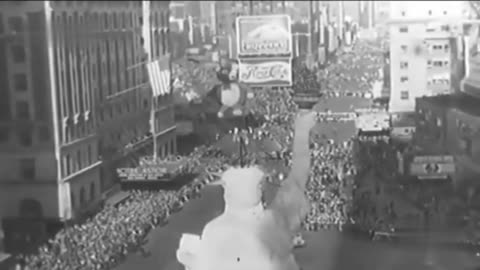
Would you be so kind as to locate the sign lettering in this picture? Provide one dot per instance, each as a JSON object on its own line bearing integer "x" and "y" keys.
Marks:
{"x": 275, "y": 72}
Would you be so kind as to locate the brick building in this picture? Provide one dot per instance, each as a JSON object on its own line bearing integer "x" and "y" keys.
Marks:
{"x": 70, "y": 105}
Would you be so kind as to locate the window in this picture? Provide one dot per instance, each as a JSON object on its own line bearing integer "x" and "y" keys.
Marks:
{"x": 27, "y": 168}
{"x": 23, "y": 110}
{"x": 404, "y": 95}
{"x": 403, "y": 29}
{"x": 89, "y": 154}
{"x": 445, "y": 28}
{"x": 466, "y": 146}
{"x": 446, "y": 47}
{"x": 67, "y": 166}
{"x": 404, "y": 48}
{"x": 4, "y": 134}
{"x": 92, "y": 191}
{"x": 72, "y": 199}
{"x": 78, "y": 160}
{"x": 25, "y": 138}
{"x": 404, "y": 79}
{"x": 429, "y": 63}
{"x": 43, "y": 134}
{"x": 437, "y": 63}
{"x": 82, "y": 196}
{"x": 20, "y": 82}
{"x": 18, "y": 54}
{"x": 1, "y": 25}
{"x": 15, "y": 24}
{"x": 403, "y": 65}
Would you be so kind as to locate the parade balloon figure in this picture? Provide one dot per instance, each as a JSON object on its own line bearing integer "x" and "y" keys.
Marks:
{"x": 251, "y": 234}
{"x": 232, "y": 97}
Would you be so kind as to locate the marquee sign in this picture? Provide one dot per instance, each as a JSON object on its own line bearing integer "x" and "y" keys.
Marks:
{"x": 432, "y": 167}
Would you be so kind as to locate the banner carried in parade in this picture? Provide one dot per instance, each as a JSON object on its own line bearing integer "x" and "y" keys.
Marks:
{"x": 266, "y": 36}
{"x": 432, "y": 167}
{"x": 275, "y": 72}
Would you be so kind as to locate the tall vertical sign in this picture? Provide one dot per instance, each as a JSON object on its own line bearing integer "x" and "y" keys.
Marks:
{"x": 146, "y": 28}
{"x": 264, "y": 50}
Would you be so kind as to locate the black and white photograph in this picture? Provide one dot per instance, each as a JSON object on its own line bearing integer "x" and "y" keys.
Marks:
{"x": 239, "y": 135}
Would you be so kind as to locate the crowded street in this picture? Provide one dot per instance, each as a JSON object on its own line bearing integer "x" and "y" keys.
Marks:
{"x": 271, "y": 151}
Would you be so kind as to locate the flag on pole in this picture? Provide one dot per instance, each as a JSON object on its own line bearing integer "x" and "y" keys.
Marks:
{"x": 159, "y": 75}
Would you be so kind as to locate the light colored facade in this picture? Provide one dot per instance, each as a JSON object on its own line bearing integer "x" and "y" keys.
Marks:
{"x": 70, "y": 102}
{"x": 421, "y": 37}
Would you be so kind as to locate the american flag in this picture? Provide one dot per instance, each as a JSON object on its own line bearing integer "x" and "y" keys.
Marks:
{"x": 159, "y": 75}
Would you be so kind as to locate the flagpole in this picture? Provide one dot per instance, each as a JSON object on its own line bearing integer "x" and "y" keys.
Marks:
{"x": 148, "y": 49}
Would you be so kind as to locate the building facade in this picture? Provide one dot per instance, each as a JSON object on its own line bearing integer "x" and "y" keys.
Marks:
{"x": 422, "y": 39}
{"x": 71, "y": 103}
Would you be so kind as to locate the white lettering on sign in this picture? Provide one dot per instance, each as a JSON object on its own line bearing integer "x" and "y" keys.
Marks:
{"x": 265, "y": 72}
{"x": 265, "y": 46}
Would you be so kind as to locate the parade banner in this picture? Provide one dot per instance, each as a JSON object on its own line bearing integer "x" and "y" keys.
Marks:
{"x": 265, "y": 36}
{"x": 275, "y": 72}
{"x": 432, "y": 167}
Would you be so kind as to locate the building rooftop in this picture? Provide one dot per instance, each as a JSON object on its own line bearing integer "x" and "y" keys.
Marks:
{"x": 461, "y": 102}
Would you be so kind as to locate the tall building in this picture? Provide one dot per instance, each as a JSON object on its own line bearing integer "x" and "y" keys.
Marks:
{"x": 76, "y": 104}
{"x": 422, "y": 38}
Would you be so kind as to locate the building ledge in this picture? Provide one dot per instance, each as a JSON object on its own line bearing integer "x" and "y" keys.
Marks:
{"x": 82, "y": 171}
{"x": 165, "y": 131}
{"x": 78, "y": 141}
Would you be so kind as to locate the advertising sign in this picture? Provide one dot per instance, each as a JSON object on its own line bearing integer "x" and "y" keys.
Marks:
{"x": 375, "y": 121}
{"x": 275, "y": 72}
{"x": 432, "y": 167}
{"x": 268, "y": 35}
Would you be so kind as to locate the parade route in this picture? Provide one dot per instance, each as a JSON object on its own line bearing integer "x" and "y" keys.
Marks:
{"x": 328, "y": 250}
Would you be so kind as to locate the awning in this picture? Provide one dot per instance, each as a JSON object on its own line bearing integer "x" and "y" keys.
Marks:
{"x": 117, "y": 198}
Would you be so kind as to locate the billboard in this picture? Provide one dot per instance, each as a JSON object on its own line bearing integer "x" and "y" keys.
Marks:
{"x": 375, "y": 121}
{"x": 275, "y": 72}
{"x": 432, "y": 167}
{"x": 268, "y": 35}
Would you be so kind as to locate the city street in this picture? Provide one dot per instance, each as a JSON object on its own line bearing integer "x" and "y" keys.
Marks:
{"x": 325, "y": 249}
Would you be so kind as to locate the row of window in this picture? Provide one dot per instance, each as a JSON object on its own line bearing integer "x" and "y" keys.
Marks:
{"x": 78, "y": 130}
{"x": 445, "y": 47}
{"x": 438, "y": 81}
{"x": 24, "y": 137}
{"x": 438, "y": 47}
{"x": 437, "y": 63}
{"x": 82, "y": 158}
{"x": 429, "y": 12}
{"x": 444, "y": 28}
